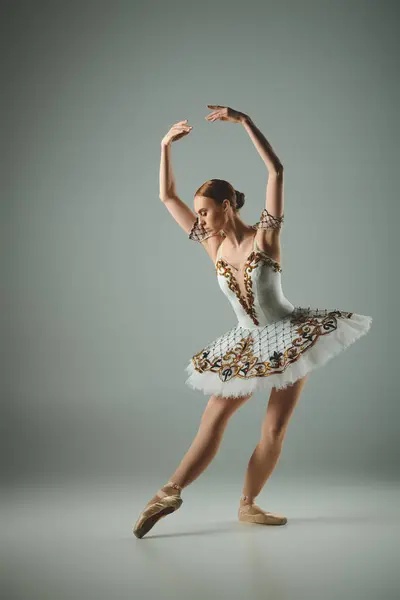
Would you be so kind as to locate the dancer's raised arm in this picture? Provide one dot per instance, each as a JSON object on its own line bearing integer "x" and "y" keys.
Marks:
{"x": 182, "y": 214}
{"x": 263, "y": 147}
{"x": 274, "y": 191}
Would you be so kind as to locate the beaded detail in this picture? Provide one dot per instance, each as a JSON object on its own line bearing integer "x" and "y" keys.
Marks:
{"x": 240, "y": 354}
{"x": 268, "y": 221}
{"x": 198, "y": 234}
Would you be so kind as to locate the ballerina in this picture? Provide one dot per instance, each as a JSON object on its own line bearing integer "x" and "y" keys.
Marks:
{"x": 274, "y": 345}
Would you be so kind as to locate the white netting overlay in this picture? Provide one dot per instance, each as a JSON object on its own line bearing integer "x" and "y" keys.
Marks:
{"x": 242, "y": 360}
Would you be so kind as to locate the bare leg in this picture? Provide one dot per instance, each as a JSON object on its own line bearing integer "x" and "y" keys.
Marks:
{"x": 207, "y": 440}
{"x": 266, "y": 454}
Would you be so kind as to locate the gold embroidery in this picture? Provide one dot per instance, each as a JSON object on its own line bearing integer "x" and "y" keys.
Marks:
{"x": 257, "y": 256}
{"x": 223, "y": 268}
{"x": 235, "y": 362}
{"x": 241, "y": 362}
{"x": 248, "y": 284}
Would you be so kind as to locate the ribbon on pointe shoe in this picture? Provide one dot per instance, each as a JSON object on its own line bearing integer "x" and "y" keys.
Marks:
{"x": 158, "y": 507}
{"x": 243, "y": 497}
{"x": 170, "y": 484}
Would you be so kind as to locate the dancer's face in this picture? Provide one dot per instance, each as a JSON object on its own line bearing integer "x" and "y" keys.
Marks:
{"x": 211, "y": 214}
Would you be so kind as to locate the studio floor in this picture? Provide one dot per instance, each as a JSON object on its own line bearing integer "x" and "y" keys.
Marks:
{"x": 74, "y": 540}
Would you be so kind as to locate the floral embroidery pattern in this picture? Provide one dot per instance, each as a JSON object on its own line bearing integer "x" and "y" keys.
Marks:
{"x": 255, "y": 258}
{"x": 234, "y": 363}
{"x": 241, "y": 361}
{"x": 224, "y": 269}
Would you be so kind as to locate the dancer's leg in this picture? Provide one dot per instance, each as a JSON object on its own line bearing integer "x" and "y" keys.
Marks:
{"x": 265, "y": 456}
{"x": 205, "y": 445}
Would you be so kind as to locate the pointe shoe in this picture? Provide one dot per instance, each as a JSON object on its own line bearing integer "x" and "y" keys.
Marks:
{"x": 251, "y": 513}
{"x": 166, "y": 503}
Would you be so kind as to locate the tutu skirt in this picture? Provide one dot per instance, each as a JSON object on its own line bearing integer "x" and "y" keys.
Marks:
{"x": 241, "y": 361}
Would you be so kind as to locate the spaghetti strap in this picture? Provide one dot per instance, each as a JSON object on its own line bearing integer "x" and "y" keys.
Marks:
{"x": 219, "y": 251}
{"x": 255, "y": 243}
{"x": 255, "y": 248}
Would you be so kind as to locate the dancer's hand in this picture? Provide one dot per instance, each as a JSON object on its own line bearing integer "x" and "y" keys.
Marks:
{"x": 176, "y": 132}
{"x": 224, "y": 113}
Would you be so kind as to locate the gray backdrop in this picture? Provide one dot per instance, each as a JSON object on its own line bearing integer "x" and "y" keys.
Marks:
{"x": 106, "y": 299}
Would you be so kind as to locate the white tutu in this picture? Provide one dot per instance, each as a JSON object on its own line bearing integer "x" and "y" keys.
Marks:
{"x": 274, "y": 343}
{"x": 244, "y": 360}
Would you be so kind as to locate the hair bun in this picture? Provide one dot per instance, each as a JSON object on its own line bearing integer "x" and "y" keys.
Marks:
{"x": 239, "y": 199}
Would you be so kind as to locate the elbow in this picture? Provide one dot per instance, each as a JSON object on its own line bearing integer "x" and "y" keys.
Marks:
{"x": 277, "y": 171}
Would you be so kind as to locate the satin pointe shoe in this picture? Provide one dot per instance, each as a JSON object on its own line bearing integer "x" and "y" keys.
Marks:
{"x": 251, "y": 513}
{"x": 166, "y": 503}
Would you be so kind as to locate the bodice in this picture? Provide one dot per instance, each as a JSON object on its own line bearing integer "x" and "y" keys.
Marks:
{"x": 254, "y": 291}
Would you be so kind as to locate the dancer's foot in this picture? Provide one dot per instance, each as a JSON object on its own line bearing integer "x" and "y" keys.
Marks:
{"x": 166, "y": 501}
{"x": 251, "y": 513}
